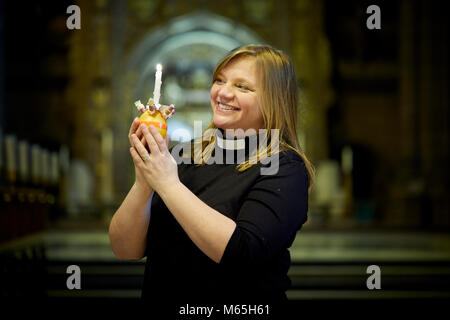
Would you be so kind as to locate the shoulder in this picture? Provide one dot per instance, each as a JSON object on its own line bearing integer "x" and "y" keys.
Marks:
{"x": 291, "y": 157}
{"x": 285, "y": 162}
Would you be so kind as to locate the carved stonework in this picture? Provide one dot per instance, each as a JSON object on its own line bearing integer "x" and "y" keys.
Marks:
{"x": 89, "y": 92}
{"x": 111, "y": 58}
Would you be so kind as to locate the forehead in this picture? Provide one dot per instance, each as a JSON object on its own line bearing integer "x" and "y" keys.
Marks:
{"x": 242, "y": 67}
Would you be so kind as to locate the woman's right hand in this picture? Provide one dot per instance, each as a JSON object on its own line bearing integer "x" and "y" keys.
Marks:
{"x": 136, "y": 129}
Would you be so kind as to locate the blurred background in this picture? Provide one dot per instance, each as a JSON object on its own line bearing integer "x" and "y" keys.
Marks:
{"x": 373, "y": 120}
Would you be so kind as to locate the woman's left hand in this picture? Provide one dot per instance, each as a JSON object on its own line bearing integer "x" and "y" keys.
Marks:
{"x": 158, "y": 167}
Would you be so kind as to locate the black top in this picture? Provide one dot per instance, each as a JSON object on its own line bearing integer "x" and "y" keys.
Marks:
{"x": 268, "y": 210}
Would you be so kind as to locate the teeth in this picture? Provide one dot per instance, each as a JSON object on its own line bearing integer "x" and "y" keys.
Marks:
{"x": 225, "y": 107}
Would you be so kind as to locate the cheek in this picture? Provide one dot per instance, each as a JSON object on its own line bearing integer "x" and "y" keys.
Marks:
{"x": 213, "y": 92}
{"x": 213, "y": 97}
{"x": 253, "y": 108}
{"x": 257, "y": 115}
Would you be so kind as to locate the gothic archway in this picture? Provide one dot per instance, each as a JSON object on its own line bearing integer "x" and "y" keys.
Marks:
{"x": 188, "y": 47}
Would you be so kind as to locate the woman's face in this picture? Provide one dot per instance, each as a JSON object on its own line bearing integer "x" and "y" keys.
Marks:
{"x": 234, "y": 96}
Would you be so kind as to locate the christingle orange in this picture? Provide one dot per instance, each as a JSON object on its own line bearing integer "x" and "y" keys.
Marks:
{"x": 156, "y": 116}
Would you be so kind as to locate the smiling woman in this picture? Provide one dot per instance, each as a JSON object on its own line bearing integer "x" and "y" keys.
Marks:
{"x": 215, "y": 232}
{"x": 262, "y": 79}
{"x": 234, "y": 96}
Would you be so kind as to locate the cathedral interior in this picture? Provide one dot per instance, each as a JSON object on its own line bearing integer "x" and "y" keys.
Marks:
{"x": 373, "y": 120}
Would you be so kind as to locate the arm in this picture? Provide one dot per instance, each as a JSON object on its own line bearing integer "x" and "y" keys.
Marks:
{"x": 267, "y": 222}
{"x": 272, "y": 213}
{"x": 128, "y": 227}
{"x": 269, "y": 218}
{"x": 206, "y": 227}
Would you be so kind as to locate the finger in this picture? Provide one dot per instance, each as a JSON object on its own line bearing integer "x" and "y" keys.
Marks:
{"x": 133, "y": 127}
{"x": 139, "y": 130}
{"x": 151, "y": 141}
{"x": 139, "y": 147}
{"x": 158, "y": 138}
{"x": 167, "y": 140}
{"x": 140, "y": 134}
{"x": 136, "y": 158}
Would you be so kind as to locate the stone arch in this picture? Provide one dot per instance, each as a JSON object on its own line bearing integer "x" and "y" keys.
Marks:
{"x": 200, "y": 27}
{"x": 215, "y": 34}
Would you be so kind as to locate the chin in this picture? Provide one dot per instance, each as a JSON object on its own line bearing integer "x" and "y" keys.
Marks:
{"x": 219, "y": 124}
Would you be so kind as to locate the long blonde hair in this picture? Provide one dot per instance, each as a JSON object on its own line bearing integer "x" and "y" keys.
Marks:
{"x": 278, "y": 105}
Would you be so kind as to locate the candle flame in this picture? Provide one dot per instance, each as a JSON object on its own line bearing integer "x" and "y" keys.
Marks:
{"x": 158, "y": 67}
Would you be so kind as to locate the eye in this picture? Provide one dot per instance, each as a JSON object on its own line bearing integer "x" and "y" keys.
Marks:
{"x": 241, "y": 86}
{"x": 218, "y": 80}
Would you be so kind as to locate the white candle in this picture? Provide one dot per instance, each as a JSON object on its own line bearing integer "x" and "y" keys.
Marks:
{"x": 157, "y": 90}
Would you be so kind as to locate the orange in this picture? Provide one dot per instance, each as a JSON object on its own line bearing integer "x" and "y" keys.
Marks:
{"x": 156, "y": 120}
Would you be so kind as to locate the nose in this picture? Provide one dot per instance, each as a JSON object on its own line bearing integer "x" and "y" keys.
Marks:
{"x": 225, "y": 92}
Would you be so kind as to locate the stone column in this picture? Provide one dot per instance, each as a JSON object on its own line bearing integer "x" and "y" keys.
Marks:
{"x": 408, "y": 88}
{"x": 311, "y": 55}
{"x": 89, "y": 93}
{"x": 433, "y": 109}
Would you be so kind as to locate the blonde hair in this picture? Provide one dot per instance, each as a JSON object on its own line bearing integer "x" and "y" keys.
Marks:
{"x": 278, "y": 105}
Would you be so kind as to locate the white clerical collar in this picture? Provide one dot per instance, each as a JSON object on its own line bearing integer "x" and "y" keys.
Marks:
{"x": 230, "y": 144}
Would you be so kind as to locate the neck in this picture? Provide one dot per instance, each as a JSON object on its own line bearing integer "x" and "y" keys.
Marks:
{"x": 237, "y": 133}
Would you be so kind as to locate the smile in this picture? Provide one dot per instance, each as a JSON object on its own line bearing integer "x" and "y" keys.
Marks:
{"x": 224, "y": 107}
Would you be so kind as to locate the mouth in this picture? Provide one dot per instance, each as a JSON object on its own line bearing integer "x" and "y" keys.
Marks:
{"x": 225, "y": 107}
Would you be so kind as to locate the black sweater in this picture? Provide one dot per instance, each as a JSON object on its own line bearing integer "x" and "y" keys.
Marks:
{"x": 268, "y": 210}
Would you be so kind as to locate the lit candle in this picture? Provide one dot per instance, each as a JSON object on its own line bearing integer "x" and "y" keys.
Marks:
{"x": 157, "y": 91}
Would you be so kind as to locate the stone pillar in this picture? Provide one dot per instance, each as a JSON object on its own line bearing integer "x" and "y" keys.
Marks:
{"x": 404, "y": 209}
{"x": 2, "y": 69}
{"x": 89, "y": 95}
{"x": 311, "y": 55}
{"x": 121, "y": 96}
{"x": 433, "y": 109}
{"x": 408, "y": 74}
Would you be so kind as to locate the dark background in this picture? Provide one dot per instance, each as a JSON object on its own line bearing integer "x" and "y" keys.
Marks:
{"x": 381, "y": 93}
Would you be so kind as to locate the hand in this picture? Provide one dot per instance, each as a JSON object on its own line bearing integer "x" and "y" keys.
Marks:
{"x": 136, "y": 129}
{"x": 158, "y": 167}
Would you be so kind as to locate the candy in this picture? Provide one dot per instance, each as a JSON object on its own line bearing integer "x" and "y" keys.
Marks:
{"x": 140, "y": 106}
{"x": 167, "y": 111}
{"x": 154, "y": 116}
